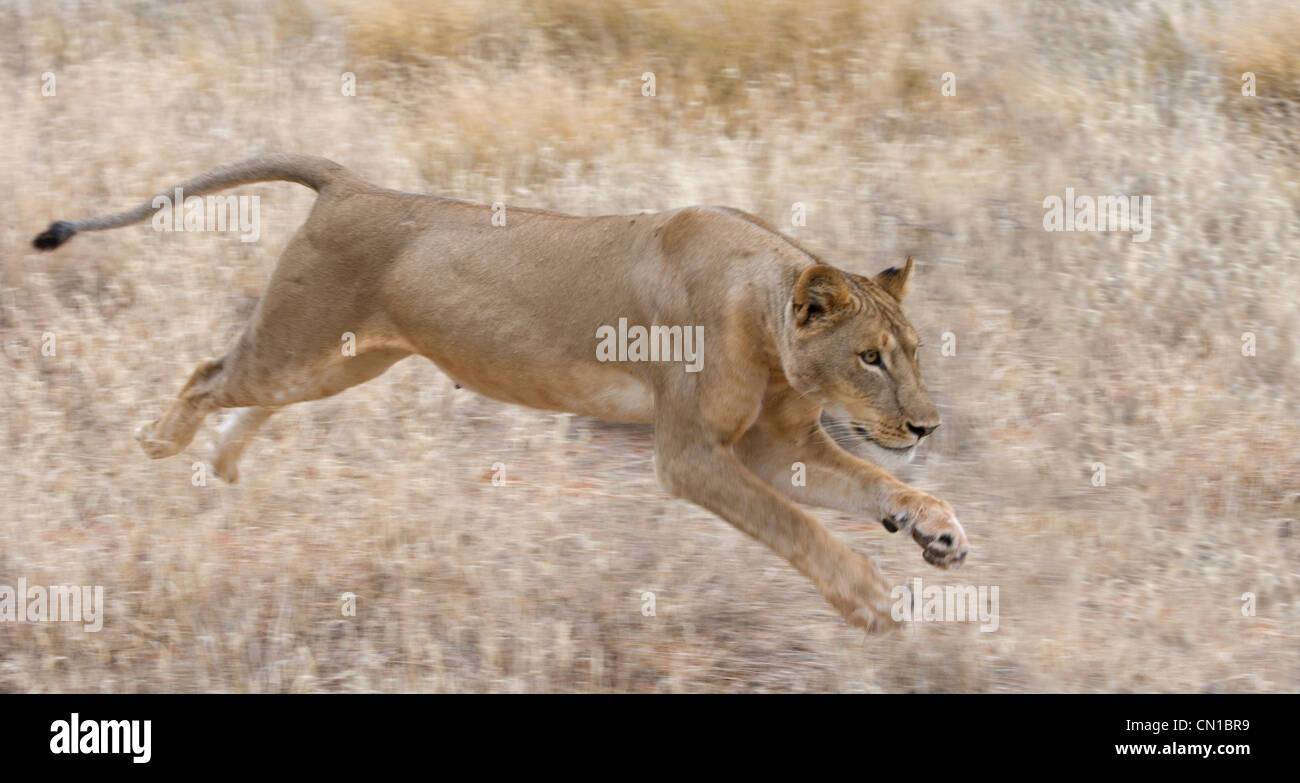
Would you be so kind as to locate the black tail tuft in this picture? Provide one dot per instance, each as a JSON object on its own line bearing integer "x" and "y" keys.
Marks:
{"x": 60, "y": 231}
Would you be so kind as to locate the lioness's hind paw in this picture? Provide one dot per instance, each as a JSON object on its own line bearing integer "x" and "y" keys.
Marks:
{"x": 152, "y": 447}
{"x": 225, "y": 468}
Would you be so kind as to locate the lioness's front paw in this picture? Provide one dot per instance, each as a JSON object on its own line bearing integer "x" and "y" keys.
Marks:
{"x": 933, "y": 524}
{"x": 857, "y": 590}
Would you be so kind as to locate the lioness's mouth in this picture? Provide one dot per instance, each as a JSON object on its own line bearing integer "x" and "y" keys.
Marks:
{"x": 866, "y": 435}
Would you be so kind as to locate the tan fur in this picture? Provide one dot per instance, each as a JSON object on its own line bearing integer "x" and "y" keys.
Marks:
{"x": 512, "y": 313}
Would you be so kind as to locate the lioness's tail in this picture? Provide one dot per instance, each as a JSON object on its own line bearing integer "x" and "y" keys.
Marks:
{"x": 316, "y": 173}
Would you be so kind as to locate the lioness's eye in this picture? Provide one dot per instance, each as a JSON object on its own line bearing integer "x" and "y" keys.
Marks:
{"x": 871, "y": 358}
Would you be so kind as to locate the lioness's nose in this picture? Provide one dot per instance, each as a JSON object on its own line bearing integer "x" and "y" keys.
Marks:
{"x": 921, "y": 431}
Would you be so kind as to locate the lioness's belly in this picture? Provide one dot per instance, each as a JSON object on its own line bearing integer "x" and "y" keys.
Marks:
{"x": 588, "y": 390}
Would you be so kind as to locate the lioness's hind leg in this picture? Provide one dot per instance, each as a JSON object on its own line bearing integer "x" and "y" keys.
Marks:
{"x": 289, "y": 352}
{"x": 224, "y": 383}
{"x": 233, "y": 436}
{"x": 174, "y": 431}
{"x": 235, "y": 432}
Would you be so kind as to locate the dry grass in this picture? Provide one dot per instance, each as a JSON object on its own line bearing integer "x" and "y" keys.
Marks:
{"x": 1072, "y": 348}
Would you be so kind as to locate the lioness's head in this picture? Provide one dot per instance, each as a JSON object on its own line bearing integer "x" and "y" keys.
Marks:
{"x": 850, "y": 349}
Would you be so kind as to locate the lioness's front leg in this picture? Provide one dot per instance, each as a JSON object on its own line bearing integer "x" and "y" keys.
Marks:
{"x": 833, "y": 478}
{"x": 709, "y": 474}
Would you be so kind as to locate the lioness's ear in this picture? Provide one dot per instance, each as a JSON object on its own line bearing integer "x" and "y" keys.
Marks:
{"x": 820, "y": 292}
{"x": 895, "y": 280}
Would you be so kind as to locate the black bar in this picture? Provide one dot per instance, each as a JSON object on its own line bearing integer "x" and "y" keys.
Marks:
{"x": 952, "y": 732}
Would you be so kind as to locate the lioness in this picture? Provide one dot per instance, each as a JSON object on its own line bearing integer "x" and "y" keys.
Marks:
{"x": 512, "y": 312}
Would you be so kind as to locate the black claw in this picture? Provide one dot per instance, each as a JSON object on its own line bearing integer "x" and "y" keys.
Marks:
{"x": 889, "y": 525}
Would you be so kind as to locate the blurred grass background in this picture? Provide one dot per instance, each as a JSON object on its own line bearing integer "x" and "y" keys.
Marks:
{"x": 1071, "y": 348}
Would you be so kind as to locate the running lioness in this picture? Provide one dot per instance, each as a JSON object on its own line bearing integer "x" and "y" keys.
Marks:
{"x": 515, "y": 311}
